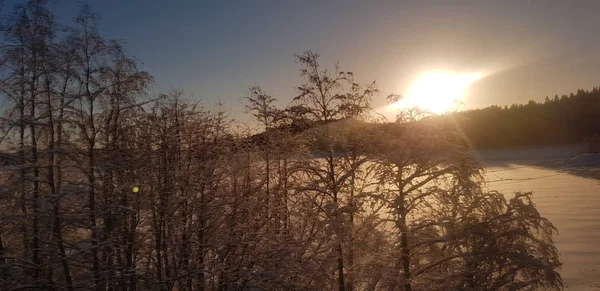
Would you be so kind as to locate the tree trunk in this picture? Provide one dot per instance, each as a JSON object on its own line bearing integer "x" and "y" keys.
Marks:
{"x": 36, "y": 186}
{"x": 341, "y": 283}
{"x": 404, "y": 250}
{"x": 53, "y": 188}
{"x": 92, "y": 197}
{"x": 350, "y": 280}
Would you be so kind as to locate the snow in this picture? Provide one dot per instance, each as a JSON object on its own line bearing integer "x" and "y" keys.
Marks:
{"x": 586, "y": 160}
{"x": 572, "y": 203}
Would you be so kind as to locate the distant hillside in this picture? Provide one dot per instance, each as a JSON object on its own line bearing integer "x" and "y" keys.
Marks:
{"x": 559, "y": 120}
{"x": 568, "y": 119}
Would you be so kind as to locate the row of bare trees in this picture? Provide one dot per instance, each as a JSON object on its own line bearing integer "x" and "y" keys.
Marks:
{"x": 105, "y": 188}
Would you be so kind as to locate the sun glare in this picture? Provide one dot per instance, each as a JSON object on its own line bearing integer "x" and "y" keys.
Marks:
{"x": 438, "y": 91}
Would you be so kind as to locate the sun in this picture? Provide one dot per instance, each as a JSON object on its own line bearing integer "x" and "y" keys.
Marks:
{"x": 438, "y": 91}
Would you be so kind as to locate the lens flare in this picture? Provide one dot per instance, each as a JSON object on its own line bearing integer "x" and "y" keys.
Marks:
{"x": 438, "y": 91}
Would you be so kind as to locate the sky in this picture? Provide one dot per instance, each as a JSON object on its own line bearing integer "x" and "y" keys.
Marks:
{"x": 216, "y": 50}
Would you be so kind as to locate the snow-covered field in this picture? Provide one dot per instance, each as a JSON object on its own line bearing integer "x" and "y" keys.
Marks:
{"x": 572, "y": 203}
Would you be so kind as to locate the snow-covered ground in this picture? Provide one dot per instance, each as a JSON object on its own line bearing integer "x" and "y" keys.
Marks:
{"x": 572, "y": 203}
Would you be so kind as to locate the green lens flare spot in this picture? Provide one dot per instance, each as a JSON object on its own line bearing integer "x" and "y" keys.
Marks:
{"x": 136, "y": 189}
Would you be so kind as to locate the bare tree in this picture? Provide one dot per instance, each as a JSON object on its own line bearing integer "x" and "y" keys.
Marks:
{"x": 326, "y": 98}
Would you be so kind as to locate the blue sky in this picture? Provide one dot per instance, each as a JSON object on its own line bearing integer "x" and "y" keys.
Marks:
{"x": 215, "y": 50}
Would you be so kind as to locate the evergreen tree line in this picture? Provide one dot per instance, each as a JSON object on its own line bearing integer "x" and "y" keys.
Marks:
{"x": 569, "y": 119}
{"x": 104, "y": 187}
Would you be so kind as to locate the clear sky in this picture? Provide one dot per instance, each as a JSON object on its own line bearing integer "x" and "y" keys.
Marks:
{"x": 216, "y": 50}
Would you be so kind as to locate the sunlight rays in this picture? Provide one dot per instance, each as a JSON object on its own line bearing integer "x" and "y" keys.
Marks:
{"x": 438, "y": 91}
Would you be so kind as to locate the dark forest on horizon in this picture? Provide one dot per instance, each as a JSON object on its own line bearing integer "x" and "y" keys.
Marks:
{"x": 568, "y": 119}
